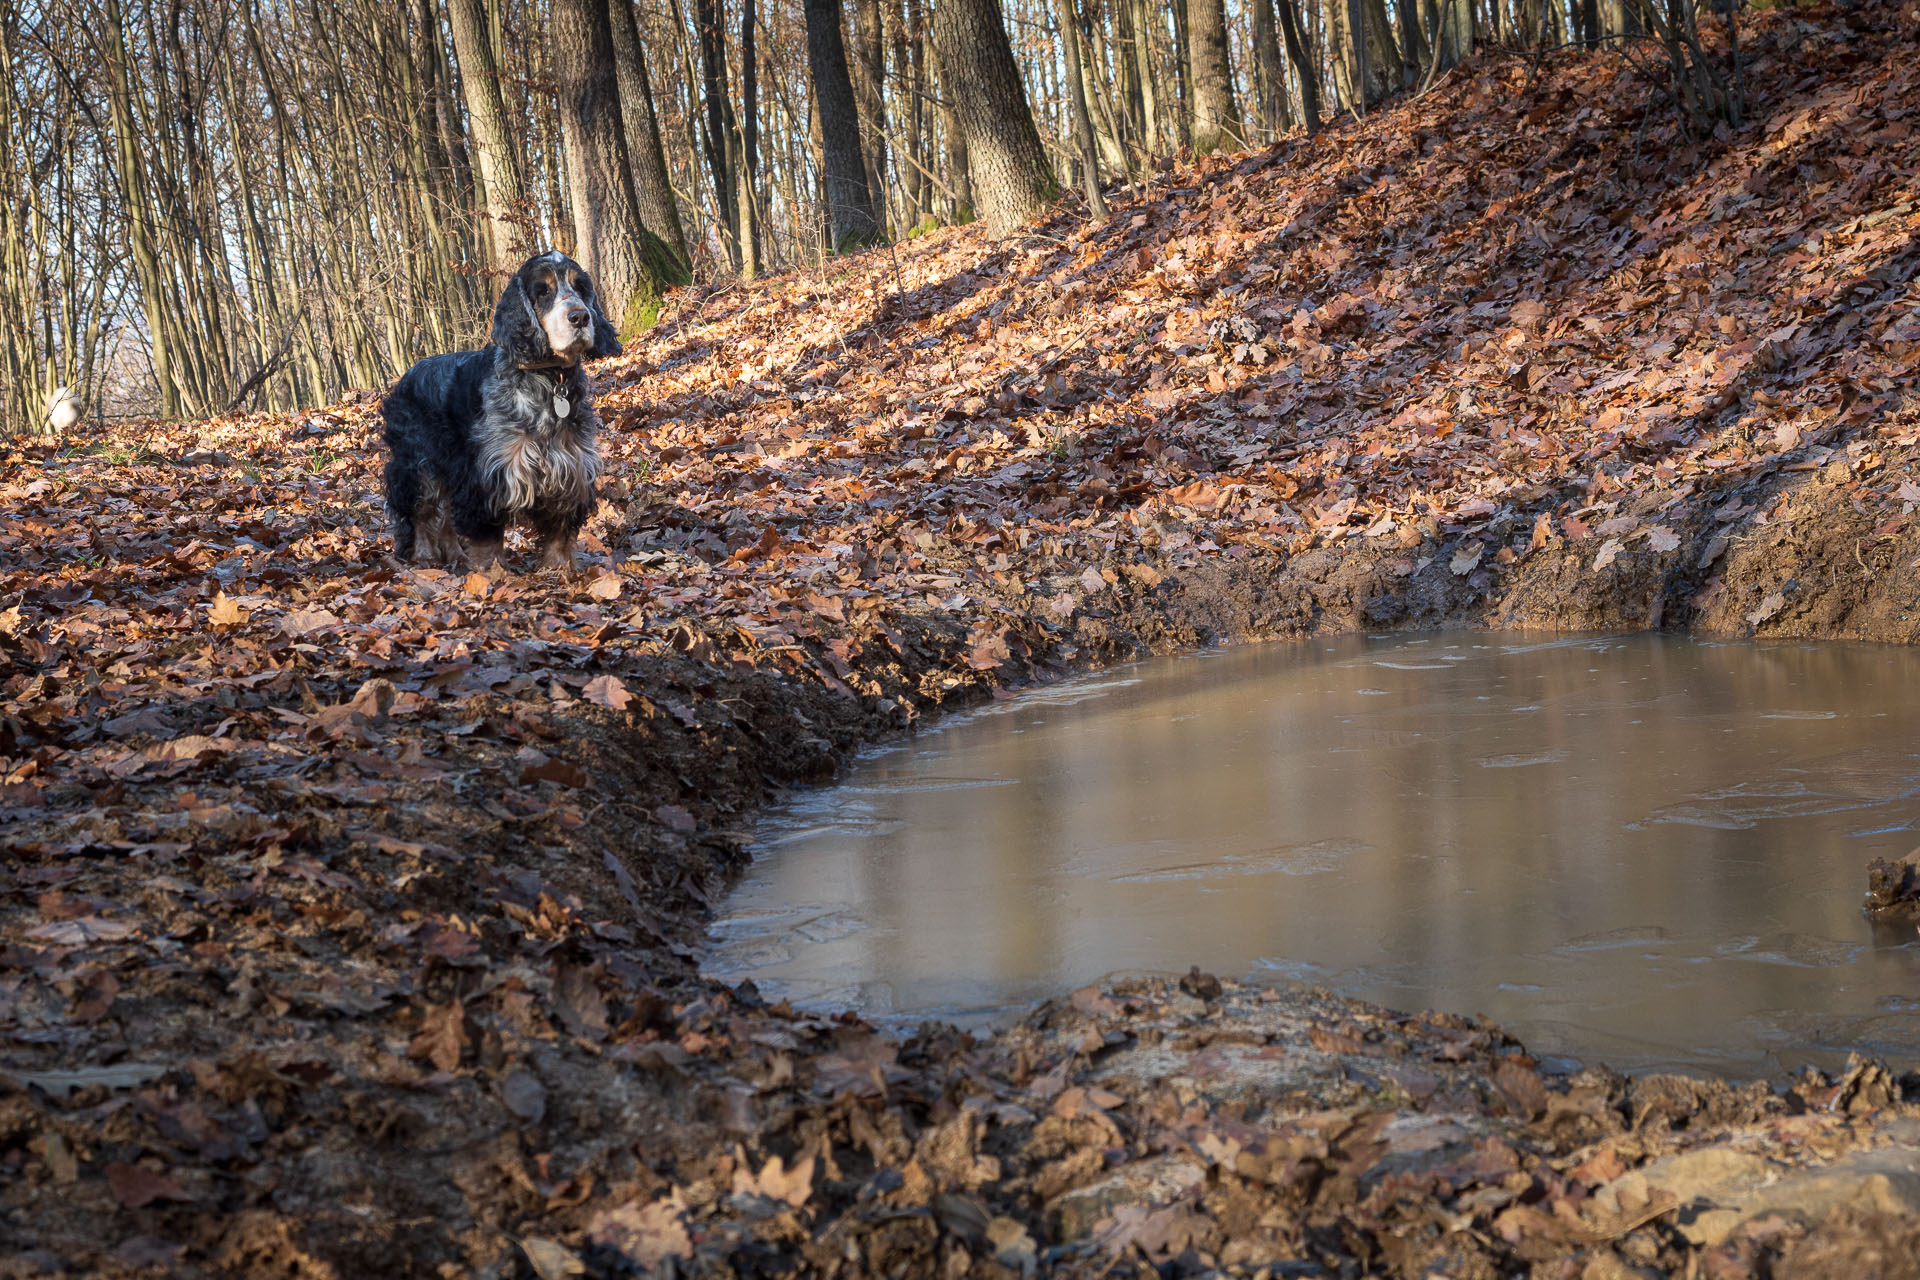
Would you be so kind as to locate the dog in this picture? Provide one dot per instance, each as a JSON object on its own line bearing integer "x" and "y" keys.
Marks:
{"x": 504, "y": 435}
{"x": 63, "y": 410}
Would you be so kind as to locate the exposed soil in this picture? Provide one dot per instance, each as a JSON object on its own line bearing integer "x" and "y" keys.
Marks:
{"x": 348, "y": 909}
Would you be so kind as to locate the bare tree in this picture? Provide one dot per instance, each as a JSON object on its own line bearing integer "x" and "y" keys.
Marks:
{"x": 1270, "y": 72}
{"x": 651, "y": 185}
{"x": 1305, "y": 65}
{"x": 1215, "y": 112}
{"x": 1008, "y": 166}
{"x": 849, "y": 198}
{"x": 632, "y": 267}
{"x": 1082, "y": 124}
{"x": 509, "y": 236}
{"x": 870, "y": 56}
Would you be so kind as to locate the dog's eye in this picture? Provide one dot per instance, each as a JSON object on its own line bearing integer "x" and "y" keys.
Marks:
{"x": 541, "y": 289}
{"x": 584, "y": 286}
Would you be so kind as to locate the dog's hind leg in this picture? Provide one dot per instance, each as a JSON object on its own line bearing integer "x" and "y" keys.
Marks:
{"x": 434, "y": 524}
{"x": 403, "y": 500}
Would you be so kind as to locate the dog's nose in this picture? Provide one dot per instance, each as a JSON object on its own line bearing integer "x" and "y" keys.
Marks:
{"x": 577, "y": 317}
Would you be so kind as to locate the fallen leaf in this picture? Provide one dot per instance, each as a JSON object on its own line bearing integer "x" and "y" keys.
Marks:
{"x": 442, "y": 1037}
{"x": 1521, "y": 1086}
{"x": 674, "y": 817}
{"x": 777, "y": 1182}
{"x": 309, "y": 622}
{"x": 552, "y": 1260}
{"x": 645, "y": 1234}
{"x": 136, "y": 1186}
{"x": 1772, "y": 604}
{"x": 225, "y": 613}
{"x": 78, "y": 933}
{"x": 537, "y": 766}
{"x": 608, "y": 692}
{"x": 59, "y": 1084}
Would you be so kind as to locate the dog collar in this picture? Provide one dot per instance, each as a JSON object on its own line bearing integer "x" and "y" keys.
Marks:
{"x": 561, "y": 405}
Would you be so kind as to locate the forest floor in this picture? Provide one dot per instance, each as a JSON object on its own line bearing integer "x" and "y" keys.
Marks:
{"x": 348, "y": 909}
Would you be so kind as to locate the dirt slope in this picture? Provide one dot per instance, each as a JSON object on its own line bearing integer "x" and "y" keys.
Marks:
{"x": 346, "y": 907}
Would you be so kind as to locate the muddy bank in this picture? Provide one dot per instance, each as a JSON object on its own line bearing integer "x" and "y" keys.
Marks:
{"x": 413, "y": 995}
{"x": 347, "y": 908}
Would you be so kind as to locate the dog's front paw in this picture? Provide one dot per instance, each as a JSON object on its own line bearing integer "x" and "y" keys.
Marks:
{"x": 556, "y": 553}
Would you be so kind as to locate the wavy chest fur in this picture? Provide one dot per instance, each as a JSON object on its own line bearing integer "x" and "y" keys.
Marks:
{"x": 529, "y": 456}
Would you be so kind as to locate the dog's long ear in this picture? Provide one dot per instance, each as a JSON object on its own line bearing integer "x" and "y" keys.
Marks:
{"x": 514, "y": 329}
{"x": 605, "y": 341}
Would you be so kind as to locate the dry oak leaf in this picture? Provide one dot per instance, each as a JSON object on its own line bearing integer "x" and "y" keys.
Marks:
{"x": 442, "y": 1036}
{"x": 78, "y": 933}
{"x": 1012, "y": 1245}
{"x": 605, "y": 587}
{"x": 538, "y": 766}
{"x": 552, "y": 1260}
{"x": 1521, "y": 1085}
{"x": 608, "y": 692}
{"x": 135, "y": 1186}
{"x": 646, "y": 1234}
{"x": 777, "y": 1182}
{"x": 1772, "y": 604}
{"x": 674, "y": 817}
{"x": 308, "y": 622}
{"x": 1161, "y": 1233}
{"x": 225, "y": 613}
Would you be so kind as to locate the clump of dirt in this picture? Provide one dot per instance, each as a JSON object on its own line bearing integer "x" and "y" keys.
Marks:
{"x": 1893, "y": 890}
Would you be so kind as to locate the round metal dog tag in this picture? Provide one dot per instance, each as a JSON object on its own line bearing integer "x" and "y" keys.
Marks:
{"x": 560, "y": 405}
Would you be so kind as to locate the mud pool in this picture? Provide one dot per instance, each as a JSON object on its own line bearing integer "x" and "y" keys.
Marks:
{"x": 1647, "y": 850}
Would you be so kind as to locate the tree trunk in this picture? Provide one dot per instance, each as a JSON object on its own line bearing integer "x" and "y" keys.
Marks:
{"x": 1182, "y": 76}
{"x": 849, "y": 199}
{"x": 747, "y": 146}
{"x": 1096, "y": 83}
{"x": 509, "y": 228}
{"x": 869, "y": 47}
{"x": 651, "y": 185}
{"x": 1383, "y": 55}
{"x": 1127, "y": 77}
{"x": 717, "y": 126}
{"x": 632, "y": 268}
{"x": 961, "y": 209}
{"x": 909, "y": 51}
{"x": 1304, "y": 65}
{"x": 1216, "y": 114}
{"x": 1005, "y": 160}
{"x": 1270, "y": 74}
{"x": 1413, "y": 40}
{"x": 1077, "y": 96}
{"x": 1355, "y": 73}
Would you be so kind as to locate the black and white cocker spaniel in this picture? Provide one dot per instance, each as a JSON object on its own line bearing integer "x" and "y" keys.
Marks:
{"x": 503, "y": 435}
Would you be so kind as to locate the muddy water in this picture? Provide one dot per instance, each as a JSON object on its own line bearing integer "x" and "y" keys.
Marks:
{"x": 1646, "y": 851}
